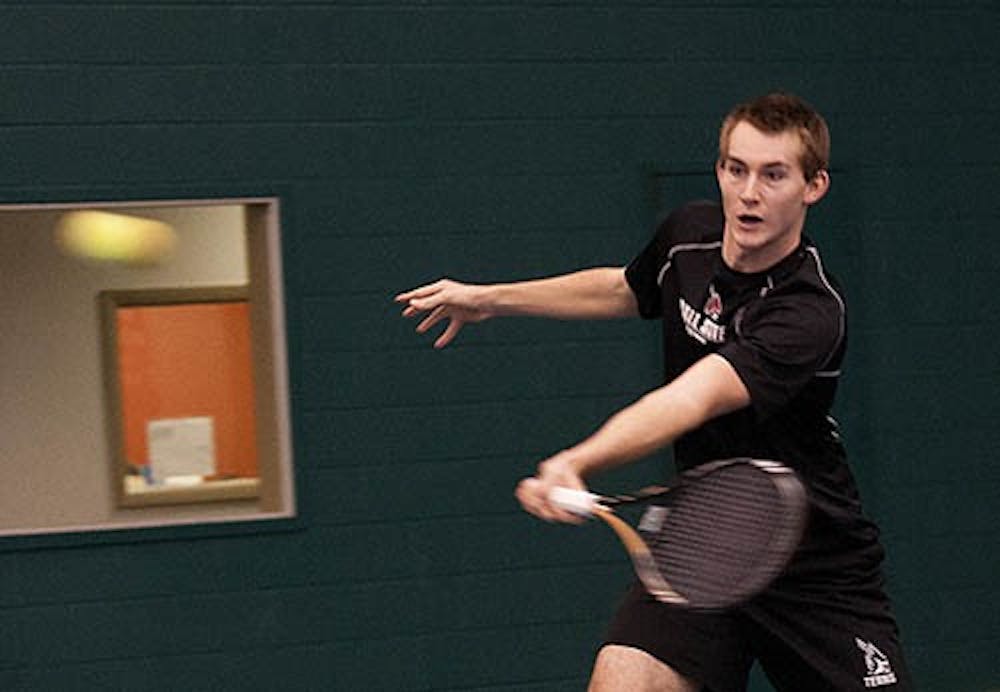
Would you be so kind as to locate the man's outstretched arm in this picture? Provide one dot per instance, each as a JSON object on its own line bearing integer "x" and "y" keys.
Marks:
{"x": 599, "y": 293}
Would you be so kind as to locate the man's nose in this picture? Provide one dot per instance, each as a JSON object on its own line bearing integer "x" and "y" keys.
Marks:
{"x": 750, "y": 191}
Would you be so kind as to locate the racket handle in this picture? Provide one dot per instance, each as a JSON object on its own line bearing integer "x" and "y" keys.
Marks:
{"x": 578, "y": 502}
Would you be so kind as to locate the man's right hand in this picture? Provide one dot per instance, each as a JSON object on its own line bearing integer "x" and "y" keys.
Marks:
{"x": 456, "y": 302}
{"x": 534, "y": 493}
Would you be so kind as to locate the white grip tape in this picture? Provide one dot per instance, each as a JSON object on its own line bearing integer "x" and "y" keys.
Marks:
{"x": 578, "y": 502}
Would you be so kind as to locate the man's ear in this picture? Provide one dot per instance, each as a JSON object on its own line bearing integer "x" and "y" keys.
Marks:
{"x": 817, "y": 187}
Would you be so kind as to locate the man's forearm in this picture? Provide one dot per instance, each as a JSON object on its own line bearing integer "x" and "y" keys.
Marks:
{"x": 710, "y": 388}
{"x": 646, "y": 426}
{"x": 600, "y": 293}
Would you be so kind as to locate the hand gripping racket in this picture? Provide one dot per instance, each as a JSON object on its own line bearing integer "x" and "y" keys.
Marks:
{"x": 714, "y": 539}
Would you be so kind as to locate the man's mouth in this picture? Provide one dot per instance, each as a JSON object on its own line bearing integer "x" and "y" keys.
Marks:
{"x": 749, "y": 219}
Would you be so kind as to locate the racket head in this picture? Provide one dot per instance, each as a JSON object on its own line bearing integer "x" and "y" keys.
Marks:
{"x": 722, "y": 534}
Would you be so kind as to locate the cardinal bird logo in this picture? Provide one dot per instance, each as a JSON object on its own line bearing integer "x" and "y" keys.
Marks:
{"x": 713, "y": 306}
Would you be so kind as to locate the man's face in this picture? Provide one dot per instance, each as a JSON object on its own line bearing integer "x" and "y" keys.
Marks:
{"x": 764, "y": 196}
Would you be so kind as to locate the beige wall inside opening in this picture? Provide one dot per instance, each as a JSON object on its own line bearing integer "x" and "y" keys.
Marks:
{"x": 55, "y": 454}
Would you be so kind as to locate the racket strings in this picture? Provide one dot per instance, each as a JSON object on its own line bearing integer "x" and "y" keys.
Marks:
{"x": 723, "y": 537}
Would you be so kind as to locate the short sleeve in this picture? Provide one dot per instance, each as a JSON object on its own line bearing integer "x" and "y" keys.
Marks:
{"x": 780, "y": 344}
{"x": 642, "y": 274}
{"x": 691, "y": 222}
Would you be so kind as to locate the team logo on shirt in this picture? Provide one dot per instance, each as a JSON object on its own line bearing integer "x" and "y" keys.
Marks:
{"x": 877, "y": 664}
{"x": 713, "y": 306}
{"x": 702, "y": 330}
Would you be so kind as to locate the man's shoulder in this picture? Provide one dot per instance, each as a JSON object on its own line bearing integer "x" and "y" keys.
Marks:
{"x": 699, "y": 221}
{"x": 815, "y": 275}
{"x": 807, "y": 295}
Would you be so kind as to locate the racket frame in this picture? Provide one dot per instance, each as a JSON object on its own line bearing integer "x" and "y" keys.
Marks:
{"x": 584, "y": 503}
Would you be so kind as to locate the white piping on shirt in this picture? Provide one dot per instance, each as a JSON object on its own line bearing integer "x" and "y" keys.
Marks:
{"x": 683, "y": 247}
{"x": 770, "y": 284}
{"x": 843, "y": 311}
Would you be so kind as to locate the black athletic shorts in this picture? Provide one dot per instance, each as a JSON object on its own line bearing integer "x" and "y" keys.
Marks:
{"x": 804, "y": 642}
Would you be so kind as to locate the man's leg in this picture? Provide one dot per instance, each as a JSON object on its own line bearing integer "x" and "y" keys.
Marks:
{"x": 654, "y": 646}
{"x": 620, "y": 668}
{"x": 845, "y": 641}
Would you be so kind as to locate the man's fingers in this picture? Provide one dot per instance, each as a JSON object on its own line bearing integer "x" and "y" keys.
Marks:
{"x": 449, "y": 333}
{"x": 437, "y": 314}
{"x": 419, "y": 292}
{"x": 530, "y": 496}
{"x": 533, "y": 494}
{"x": 417, "y": 306}
{"x": 421, "y": 303}
{"x": 436, "y": 302}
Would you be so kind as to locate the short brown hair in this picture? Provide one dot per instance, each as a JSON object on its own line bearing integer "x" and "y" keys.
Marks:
{"x": 780, "y": 112}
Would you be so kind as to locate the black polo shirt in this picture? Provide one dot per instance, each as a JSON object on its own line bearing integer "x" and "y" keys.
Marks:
{"x": 784, "y": 332}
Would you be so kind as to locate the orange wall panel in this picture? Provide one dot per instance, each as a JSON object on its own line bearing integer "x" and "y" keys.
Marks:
{"x": 179, "y": 361}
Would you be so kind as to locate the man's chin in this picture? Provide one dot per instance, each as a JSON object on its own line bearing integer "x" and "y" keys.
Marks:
{"x": 752, "y": 238}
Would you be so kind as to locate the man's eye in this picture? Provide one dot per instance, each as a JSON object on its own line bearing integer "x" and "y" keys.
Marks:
{"x": 735, "y": 169}
{"x": 774, "y": 176}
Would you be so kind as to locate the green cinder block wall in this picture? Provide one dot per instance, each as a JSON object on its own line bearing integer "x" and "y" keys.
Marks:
{"x": 411, "y": 140}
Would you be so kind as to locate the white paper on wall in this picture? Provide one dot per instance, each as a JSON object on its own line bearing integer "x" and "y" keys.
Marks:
{"x": 181, "y": 447}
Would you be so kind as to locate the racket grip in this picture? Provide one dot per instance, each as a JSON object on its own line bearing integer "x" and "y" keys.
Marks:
{"x": 579, "y": 502}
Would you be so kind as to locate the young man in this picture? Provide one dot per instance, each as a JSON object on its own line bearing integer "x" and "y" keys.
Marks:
{"x": 754, "y": 331}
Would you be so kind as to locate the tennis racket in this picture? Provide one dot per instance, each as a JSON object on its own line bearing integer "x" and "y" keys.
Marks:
{"x": 715, "y": 538}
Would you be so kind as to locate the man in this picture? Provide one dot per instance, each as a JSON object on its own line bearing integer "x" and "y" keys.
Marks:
{"x": 755, "y": 333}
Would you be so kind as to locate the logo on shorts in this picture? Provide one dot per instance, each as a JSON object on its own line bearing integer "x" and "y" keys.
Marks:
{"x": 877, "y": 663}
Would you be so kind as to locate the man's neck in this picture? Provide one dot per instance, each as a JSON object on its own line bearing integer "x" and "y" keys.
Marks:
{"x": 754, "y": 260}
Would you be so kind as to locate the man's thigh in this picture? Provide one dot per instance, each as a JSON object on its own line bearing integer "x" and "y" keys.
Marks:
{"x": 624, "y": 668}
{"x": 705, "y": 647}
{"x": 828, "y": 645}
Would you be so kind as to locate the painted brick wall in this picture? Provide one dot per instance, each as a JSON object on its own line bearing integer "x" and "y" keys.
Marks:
{"x": 410, "y": 140}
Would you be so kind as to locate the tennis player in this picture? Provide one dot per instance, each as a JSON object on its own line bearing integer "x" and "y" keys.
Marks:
{"x": 754, "y": 329}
